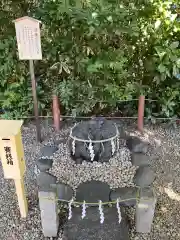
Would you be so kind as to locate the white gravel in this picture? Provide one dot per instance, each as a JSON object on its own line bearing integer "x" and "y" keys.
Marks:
{"x": 165, "y": 154}
{"x": 118, "y": 172}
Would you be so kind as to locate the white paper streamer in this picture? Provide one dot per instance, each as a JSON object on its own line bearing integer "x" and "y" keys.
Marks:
{"x": 119, "y": 211}
{"x": 101, "y": 212}
{"x": 83, "y": 210}
{"x": 36, "y": 170}
{"x": 73, "y": 147}
{"x": 91, "y": 150}
{"x": 70, "y": 209}
{"x": 113, "y": 147}
{"x": 117, "y": 142}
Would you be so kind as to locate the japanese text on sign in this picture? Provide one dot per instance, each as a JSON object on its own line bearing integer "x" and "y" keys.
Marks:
{"x": 9, "y": 158}
{"x": 28, "y": 39}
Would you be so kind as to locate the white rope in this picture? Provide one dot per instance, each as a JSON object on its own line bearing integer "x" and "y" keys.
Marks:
{"x": 83, "y": 210}
{"x": 101, "y": 212}
{"x": 119, "y": 211}
{"x": 94, "y": 141}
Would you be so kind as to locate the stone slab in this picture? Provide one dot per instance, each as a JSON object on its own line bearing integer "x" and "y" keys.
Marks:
{"x": 49, "y": 213}
{"x": 90, "y": 227}
{"x": 144, "y": 176}
{"x": 64, "y": 191}
{"x": 125, "y": 193}
{"x": 44, "y": 164}
{"x": 136, "y": 145}
{"x": 140, "y": 159}
{"x": 144, "y": 214}
{"x": 48, "y": 151}
{"x": 45, "y": 181}
{"x": 93, "y": 191}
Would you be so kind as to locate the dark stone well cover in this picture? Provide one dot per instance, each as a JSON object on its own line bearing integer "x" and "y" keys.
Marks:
{"x": 97, "y": 129}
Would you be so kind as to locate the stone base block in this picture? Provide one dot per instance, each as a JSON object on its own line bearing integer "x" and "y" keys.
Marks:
{"x": 49, "y": 213}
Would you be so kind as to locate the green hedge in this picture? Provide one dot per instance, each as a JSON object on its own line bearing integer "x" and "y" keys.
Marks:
{"x": 94, "y": 54}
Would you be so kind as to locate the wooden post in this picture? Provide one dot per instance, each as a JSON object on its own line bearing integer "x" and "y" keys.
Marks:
{"x": 33, "y": 81}
{"x": 29, "y": 48}
{"x": 141, "y": 113}
{"x": 22, "y": 201}
{"x": 12, "y": 158}
{"x": 56, "y": 112}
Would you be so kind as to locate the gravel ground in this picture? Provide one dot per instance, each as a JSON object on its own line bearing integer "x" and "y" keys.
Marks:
{"x": 164, "y": 151}
{"x": 119, "y": 172}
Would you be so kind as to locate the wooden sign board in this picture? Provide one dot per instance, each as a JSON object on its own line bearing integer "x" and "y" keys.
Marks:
{"x": 11, "y": 149}
{"x": 28, "y": 38}
{"x": 12, "y": 157}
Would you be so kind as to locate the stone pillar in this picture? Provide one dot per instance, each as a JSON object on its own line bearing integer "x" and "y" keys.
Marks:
{"x": 145, "y": 211}
{"x": 49, "y": 213}
{"x": 48, "y": 204}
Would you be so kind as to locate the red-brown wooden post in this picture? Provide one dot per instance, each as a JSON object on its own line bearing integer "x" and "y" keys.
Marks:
{"x": 56, "y": 112}
{"x": 141, "y": 113}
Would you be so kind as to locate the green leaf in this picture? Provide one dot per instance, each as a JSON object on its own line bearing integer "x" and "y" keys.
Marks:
{"x": 174, "y": 45}
{"x": 161, "y": 68}
{"x": 157, "y": 24}
{"x": 175, "y": 71}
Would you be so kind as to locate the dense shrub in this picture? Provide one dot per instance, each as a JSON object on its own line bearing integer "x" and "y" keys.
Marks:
{"x": 94, "y": 54}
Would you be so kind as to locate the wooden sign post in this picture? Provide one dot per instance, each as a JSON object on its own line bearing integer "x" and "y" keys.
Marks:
{"x": 12, "y": 157}
{"x": 29, "y": 48}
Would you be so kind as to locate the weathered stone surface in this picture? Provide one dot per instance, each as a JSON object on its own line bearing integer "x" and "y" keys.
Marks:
{"x": 49, "y": 213}
{"x": 145, "y": 210}
{"x": 137, "y": 145}
{"x": 45, "y": 181}
{"x": 140, "y": 159}
{"x": 90, "y": 227}
{"x": 93, "y": 191}
{"x": 64, "y": 191}
{"x": 146, "y": 192}
{"x": 79, "y": 160}
{"x": 144, "y": 176}
{"x": 44, "y": 164}
{"x": 48, "y": 151}
{"x": 96, "y": 129}
{"x": 125, "y": 193}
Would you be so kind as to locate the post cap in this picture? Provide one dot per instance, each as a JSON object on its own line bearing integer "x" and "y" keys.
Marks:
{"x": 9, "y": 127}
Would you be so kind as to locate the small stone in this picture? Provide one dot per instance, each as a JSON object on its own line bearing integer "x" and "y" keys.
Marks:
{"x": 48, "y": 151}
{"x": 137, "y": 145}
{"x": 44, "y": 164}
{"x": 144, "y": 176}
{"x": 125, "y": 193}
{"x": 140, "y": 159}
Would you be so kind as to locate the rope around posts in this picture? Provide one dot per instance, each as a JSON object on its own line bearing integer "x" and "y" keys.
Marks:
{"x": 93, "y": 141}
{"x": 82, "y": 117}
{"x": 137, "y": 198}
{"x": 97, "y": 203}
{"x": 88, "y": 203}
{"x": 127, "y": 100}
